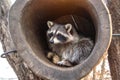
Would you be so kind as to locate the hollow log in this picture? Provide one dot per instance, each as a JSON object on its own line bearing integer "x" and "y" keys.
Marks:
{"x": 27, "y": 25}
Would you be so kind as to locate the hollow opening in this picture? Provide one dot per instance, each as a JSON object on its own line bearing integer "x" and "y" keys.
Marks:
{"x": 37, "y": 12}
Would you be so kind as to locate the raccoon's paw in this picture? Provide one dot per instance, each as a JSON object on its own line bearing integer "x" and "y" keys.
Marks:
{"x": 50, "y": 55}
{"x": 56, "y": 59}
{"x": 65, "y": 63}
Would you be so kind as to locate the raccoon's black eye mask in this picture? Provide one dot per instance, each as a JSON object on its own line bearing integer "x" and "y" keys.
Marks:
{"x": 61, "y": 37}
{"x": 50, "y": 35}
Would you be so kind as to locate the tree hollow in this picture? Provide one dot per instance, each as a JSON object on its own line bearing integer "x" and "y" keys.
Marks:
{"x": 27, "y": 24}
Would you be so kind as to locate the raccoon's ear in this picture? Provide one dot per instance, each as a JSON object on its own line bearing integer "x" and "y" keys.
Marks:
{"x": 68, "y": 27}
{"x": 50, "y": 24}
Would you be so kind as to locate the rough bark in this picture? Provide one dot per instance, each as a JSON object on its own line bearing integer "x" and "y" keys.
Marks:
{"x": 21, "y": 69}
{"x": 114, "y": 50}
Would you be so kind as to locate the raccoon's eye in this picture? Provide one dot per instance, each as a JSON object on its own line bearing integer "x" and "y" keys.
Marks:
{"x": 50, "y": 35}
{"x": 61, "y": 37}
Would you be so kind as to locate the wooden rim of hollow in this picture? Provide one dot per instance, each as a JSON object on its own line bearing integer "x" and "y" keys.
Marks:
{"x": 102, "y": 20}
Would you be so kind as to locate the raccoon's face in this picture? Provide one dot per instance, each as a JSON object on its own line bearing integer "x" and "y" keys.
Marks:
{"x": 59, "y": 34}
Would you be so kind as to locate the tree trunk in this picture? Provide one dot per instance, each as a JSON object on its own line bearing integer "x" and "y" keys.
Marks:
{"x": 21, "y": 69}
{"x": 114, "y": 50}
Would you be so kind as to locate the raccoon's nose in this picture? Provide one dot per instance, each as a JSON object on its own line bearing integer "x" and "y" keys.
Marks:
{"x": 51, "y": 41}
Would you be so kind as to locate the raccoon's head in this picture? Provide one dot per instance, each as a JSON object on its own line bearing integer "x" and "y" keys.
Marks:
{"x": 58, "y": 33}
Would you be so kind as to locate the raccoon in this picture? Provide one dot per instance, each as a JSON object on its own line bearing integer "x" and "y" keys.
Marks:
{"x": 71, "y": 48}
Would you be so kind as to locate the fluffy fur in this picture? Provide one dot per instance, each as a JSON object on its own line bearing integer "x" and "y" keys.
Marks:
{"x": 70, "y": 47}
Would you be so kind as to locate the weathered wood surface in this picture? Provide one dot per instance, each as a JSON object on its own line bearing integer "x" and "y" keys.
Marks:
{"x": 114, "y": 50}
{"x": 33, "y": 54}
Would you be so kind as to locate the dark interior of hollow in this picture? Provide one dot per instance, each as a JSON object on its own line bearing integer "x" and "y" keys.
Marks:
{"x": 35, "y": 16}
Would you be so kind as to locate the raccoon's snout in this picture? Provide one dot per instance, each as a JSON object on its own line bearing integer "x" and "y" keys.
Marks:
{"x": 51, "y": 41}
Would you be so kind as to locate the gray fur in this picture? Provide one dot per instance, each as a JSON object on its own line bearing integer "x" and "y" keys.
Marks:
{"x": 78, "y": 52}
{"x": 73, "y": 52}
